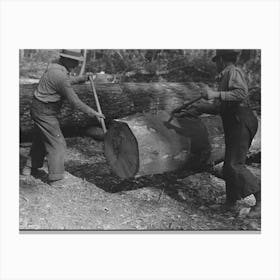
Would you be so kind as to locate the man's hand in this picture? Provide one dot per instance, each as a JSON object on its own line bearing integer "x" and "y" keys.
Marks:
{"x": 208, "y": 93}
{"x": 98, "y": 115}
{"x": 82, "y": 78}
{"x": 87, "y": 75}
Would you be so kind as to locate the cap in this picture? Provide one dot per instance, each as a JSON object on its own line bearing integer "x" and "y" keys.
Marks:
{"x": 221, "y": 53}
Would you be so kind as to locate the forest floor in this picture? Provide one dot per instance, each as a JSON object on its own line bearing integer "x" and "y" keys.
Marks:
{"x": 94, "y": 199}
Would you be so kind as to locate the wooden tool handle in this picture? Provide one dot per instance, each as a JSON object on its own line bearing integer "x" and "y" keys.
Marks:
{"x": 192, "y": 101}
{"x": 185, "y": 105}
{"x": 97, "y": 104}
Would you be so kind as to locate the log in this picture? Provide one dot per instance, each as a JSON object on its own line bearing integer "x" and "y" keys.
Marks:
{"x": 116, "y": 100}
{"x": 95, "y": 132}
{"x": 145, "y": 144}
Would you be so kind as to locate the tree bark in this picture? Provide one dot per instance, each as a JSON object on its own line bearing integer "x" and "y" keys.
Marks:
{"x": 116, "y": 100}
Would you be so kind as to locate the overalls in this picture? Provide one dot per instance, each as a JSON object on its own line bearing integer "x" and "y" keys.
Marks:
{"x": 240, "y": 126}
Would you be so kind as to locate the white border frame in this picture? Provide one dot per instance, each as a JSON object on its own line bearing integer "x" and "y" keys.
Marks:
{"x": 146, "y": 24}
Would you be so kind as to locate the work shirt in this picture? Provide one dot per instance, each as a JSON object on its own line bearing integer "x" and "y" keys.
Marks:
{"x": 232, "y": 84}
{"x": 233, "y": 88}
{"x": 56, "y": 85}
{"x": 233, "y": 91}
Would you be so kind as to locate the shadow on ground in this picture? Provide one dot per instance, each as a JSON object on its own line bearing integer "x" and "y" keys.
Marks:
{"x": 94, "y": 198}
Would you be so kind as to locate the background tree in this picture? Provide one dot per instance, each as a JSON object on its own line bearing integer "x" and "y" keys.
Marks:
{"x": 146, "y": 65}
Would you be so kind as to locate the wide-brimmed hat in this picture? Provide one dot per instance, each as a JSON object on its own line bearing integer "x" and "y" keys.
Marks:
{"x": 221, "y": 53}
{"x": 73, "y": 54}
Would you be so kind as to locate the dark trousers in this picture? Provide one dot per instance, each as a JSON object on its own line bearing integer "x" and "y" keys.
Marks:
{"x": 240, "y": 127}
{"x": 48, "y": 140}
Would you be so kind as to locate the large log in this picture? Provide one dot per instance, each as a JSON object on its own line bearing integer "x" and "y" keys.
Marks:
{"x": 145, "y": 144}
{"x": 117, "y": 101}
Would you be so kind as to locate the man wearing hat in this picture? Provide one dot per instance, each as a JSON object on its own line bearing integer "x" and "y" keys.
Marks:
{"x": 240, "y": 126}
{"x": 54, "y": 86}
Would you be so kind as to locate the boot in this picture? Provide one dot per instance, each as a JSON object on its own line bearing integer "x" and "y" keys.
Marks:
{"x": 62, "y": 183}
{"x": 256, "y": 209}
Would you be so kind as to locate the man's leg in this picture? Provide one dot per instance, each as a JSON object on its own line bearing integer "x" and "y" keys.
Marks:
{"x": 37, "y": 154}
{"x": 240, "y": 182}
{"x": 256, "y": 209}
{"x": 55, "y": 146}
{"x": 232, "y": 193}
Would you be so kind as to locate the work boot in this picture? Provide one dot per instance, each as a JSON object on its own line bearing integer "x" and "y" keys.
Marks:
{"x": 255, "y": 211}
{"x": 62, "y": 183}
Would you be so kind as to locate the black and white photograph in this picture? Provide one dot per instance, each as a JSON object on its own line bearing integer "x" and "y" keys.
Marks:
{"x": 140, "y": 139}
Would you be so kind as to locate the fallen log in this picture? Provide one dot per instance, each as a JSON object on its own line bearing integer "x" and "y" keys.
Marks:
{"x": 146, "y": 144}
{"x": 95, "y": 132}
{"x": 116, "y": 100}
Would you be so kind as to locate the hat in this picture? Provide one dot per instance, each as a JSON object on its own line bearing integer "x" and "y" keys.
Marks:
{"x": 221, "y": 53}
{"x": 73, "y": 54}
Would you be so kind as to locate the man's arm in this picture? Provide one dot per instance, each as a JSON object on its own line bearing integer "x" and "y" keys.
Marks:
{"x": 77, "y": 79}
{"x": 237, "y": 86}
{"x": 78, "y": 104}
{"x": 66, "y": 90}
{"x": 80, "y": 79}
{"x": 238, "y": 89}
{"x": 209, "y": 108}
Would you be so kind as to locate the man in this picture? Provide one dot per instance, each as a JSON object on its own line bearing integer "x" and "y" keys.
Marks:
{"x": 240, "y": 126}
{"x": 54, "y": 86}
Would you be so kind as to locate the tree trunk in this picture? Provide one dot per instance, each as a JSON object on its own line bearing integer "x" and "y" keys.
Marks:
{"x": 145, "y": 144}
{"x": 116, "y": 100}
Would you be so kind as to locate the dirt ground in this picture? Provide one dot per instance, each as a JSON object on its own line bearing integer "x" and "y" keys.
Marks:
{"x": 94, "y": 199}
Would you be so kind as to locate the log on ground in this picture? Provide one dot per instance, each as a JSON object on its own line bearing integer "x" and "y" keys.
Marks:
{"x": 116, "y": 100}
{"x": 145, "y": 144}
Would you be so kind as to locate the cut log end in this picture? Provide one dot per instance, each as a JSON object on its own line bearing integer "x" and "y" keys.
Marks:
{"x": 144, "y": 144}
{"x": 121, "y": 150}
